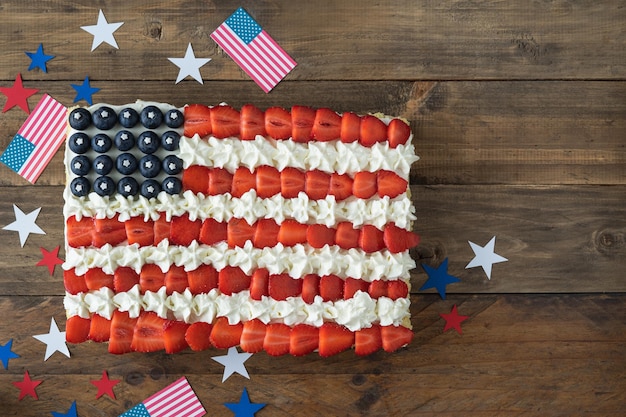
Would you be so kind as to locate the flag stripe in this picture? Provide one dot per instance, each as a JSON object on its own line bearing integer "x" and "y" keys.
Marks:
{"x": 176, "y": 400}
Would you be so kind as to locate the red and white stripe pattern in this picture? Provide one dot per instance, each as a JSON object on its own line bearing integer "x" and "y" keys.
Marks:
{"x": 176, "y": 400}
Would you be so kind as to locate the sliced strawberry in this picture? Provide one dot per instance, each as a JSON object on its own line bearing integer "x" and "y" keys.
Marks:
{"x": 334, "y": 338}
{"x": 368, "y": 340}
{"x": 331, "y": 287}
{"x": 266, "y": 233}
{"x": 252, "y": 336}
{"x": 278, "y": 123}
{"x": 390, "y": 184}
{"x": 282, "y": 286}
{"x": 176, "y": 280}
{"x": 238, "y": 232}
{"x": 244, "y": 180}
{"x": 74, "y": 284}
{"x": 77, "y": 329}
{"x": 267, "y": 181}
{"x": 197, "y": 120}
{"x": 317, "y": 184}
{"x": 346, "y": 236}
{"x": 213, "y": 232}
{"x": 96, "y": 278}
{"x": 377, "y": 289}
{"x": 373, "y": 130}
{"x": 122, "y": 329}
{"x": 398, "y": 133}
{"x": 292, "y": 233}
{"x": 303, "y": 339}
{"x": 395, "y": 337}
{"x": 148, "y": 333}
{"x": 350, "y": 127}
{"x": 224, "y": 335}
{"x": 224, "y": 121}
{"x": 232, "y": 280}
{"x": 364, "y": 184}
{"x": 397, "y": 239}
{"x": 302, "y": 119}
{"x": 252, "y": 122}
{"x": 276, "y": 341}
{"x": 340, "y": 186}
{"x": 174, "y": 336}
{"x": 183, "y": 231}
{"x": 371, "y": 239}
{"x": 161, "y": 229}
{"x": 79, "y": 232}
{"x": 326, "y": 126}
{"x": 198, "y": 336}
{"x": 100, "y": 328}
{"x": 259, "y": 284}
{"x": 310, "y": 288}
{"x": 151, "y": 278}
{"x": 110, "y": 231}
{"x": 320, "y": 235}
{"x": 124, "y": 278}
{"x": 139, "y": 231}
{"x": 352, "y": 285}
{"x": 196, "y": 179}
{"x": 202, "y": 279}
{"x": 291, "y": 182}
{"x": 397, "y": 289}
{"x": 220, "y": 181}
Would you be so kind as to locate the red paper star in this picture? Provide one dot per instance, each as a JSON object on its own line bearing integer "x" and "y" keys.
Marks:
{"x": 50, "y": 259}
{"x": 453, "y": 320}
{"x": 105, "y": 385}
{"x": 17, "y": 95}
{"x": 27, "y": 386}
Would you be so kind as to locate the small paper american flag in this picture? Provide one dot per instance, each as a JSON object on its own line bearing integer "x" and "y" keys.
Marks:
{"x": 36, "y": 142}
{"x": 175, "y": 400}
{"x": 253, "y": 49}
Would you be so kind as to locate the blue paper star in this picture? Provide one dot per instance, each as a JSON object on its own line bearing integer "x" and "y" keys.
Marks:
{"x": 84, "y": 91}
{"x": 70, "y": 413}
{"x": 244, "y": 408}
{"x": 39, "y": 59}
{"x": 6, "y": 353}
{"x": 438, "y": 278}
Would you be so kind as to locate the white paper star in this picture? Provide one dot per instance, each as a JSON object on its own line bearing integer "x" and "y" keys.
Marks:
{"x": 485, "y": 256}
{"x": 102, "y": 31}
{"x": 54, "y": 340}
{"x": 189, "y": 65}
{"x": 233, "y": 362}
{"x": 24, "y": 224}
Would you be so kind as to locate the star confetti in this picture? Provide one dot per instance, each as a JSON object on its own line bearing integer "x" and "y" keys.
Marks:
{"x": 102, "y": 31}
{"x": 27, "y": 386}
{"x": 50, "y": 259}
{"x": 189, "y": 65}
{"x": 6, "y": 353}
{"x": 38, "y": 59}
{"x": 485, "y": 256}
{"x": 453, "y": 320}
{"x": 24, "y": 224}
{"x": 244, "y": 408}
{"x": 105, "y": 385}
{"x": 70, "y": 413}
{"x": 233, "y": 362}
{"x": 438, "y": 278}
{"x": 17, "y": 95}
{"x": 84, "y": 91}
{"x": 54, "y": 340}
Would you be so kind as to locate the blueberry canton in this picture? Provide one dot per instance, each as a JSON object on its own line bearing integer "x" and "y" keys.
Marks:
{"x": 151, "y": 117}
{"x": 170, "y": 140}
{"x": 80, "y": 119}
{"x": 101, "y": 143}
{"x": 103, "y": 164}
{"x": 124, "y": 140}
{"x": 128, "y": 186}
{"x": 150, "y": 188}
{"x": 80, "y": 165}
{"x": 80, "y": 186}
{"x": 174, "y": 118}
{"x": 126, "y": 163}
{"x": 172, "y": 165}
{"x": 79, "y": 143}
{"x": 104, "y": 118}
{"x": 128, "y": 117}
{"x": 148, "y": 142}
{"x": 104, "y": 186}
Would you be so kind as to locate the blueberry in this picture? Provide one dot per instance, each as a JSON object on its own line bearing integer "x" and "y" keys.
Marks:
{"x": 80, "y": 119}
{"x": 104, "y": 118}
{"x": 80, "y": 165}
{"x": 128, "y": 117}
{"x": 172, "y": 185}
{"x": 151, "y": 117}
{"x": 150, "y": 188}
{"x": 101, "y": 143}
{"x": 80, "y": 186}
{"x": 174, "y": 118}
{"x": 102, "y": 164}
{"x": 126, "y": 163}
{"x": 124, "y": 140}
{"x": 170, "y": 140}
{"x": 149, "y": 166}
{"x": 148, "y": 142}
{"x": 128, "y": 186}
{"x": 79, "y": 143}
{"x": 172, "y": 164}
{"x": 104, "y": 186}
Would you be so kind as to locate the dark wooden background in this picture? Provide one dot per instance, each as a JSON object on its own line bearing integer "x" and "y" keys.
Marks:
{"x": 519, "y": 113}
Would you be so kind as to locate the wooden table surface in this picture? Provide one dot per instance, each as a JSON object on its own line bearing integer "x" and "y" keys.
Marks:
{"x": 519, "y": 114}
